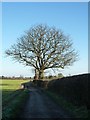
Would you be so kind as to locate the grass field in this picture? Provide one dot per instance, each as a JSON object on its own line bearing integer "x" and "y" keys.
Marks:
{"x": 13, "y": 97}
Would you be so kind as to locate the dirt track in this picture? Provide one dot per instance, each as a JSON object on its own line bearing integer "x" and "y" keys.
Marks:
{"x": 41, "y": 106}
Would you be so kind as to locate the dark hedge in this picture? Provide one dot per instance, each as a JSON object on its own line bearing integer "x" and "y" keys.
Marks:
{"x": 73, "y": 88}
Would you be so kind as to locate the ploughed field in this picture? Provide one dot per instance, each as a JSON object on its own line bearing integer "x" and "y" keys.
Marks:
{"x": 12, "y": 95}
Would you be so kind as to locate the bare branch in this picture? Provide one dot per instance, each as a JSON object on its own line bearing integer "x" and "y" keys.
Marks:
{"x": 43, "y": 47}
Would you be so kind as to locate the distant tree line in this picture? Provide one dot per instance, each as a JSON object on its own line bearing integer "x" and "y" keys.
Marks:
{"x": 60, "y": 75}
{"x": 20, "y": 77}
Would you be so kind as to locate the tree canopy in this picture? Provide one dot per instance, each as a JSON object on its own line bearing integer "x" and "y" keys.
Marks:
{"x": 43, "y": 47}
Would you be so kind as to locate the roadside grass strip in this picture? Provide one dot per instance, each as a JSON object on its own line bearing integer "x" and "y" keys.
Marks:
{"x": 12, "y": 110}
{"x": 77, "y": 111}
{"x": 10, "y": 97}
{"x": 13, "y": 97}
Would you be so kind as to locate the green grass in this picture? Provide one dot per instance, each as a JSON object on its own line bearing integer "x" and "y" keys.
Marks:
{"x": 12, "y": 84}
{"x": 76, "y": 111}
{"x": 15, "y": 107}
{"x": 13, "y": 97}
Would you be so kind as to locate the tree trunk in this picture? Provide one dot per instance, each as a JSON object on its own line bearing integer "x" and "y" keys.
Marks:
{"x": 36, "y": 75}
{"x": 41, "y": 74}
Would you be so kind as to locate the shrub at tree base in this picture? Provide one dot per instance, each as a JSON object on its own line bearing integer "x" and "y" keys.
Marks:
{"x": 37, "y": 83}
{"x": 40, "y": 83}
{"x": 74, "y": 89}
{"x": 44, "y": 84}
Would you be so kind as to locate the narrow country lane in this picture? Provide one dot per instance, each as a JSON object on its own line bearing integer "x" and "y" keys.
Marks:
{"x": 39, "y": 105}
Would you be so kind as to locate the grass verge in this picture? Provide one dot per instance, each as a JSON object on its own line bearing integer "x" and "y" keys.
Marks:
{"x": 78, "y": 112}
{"x": 15, "y": 106}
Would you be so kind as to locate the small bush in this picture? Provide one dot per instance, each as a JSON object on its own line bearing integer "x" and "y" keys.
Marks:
{"x": 37, "y": 83}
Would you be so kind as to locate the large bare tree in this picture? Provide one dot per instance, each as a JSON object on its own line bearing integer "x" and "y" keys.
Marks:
{"x": 43, "y": 47}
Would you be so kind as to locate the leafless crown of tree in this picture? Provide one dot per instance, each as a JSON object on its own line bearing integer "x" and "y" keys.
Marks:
{"x": 43, "y": 47}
